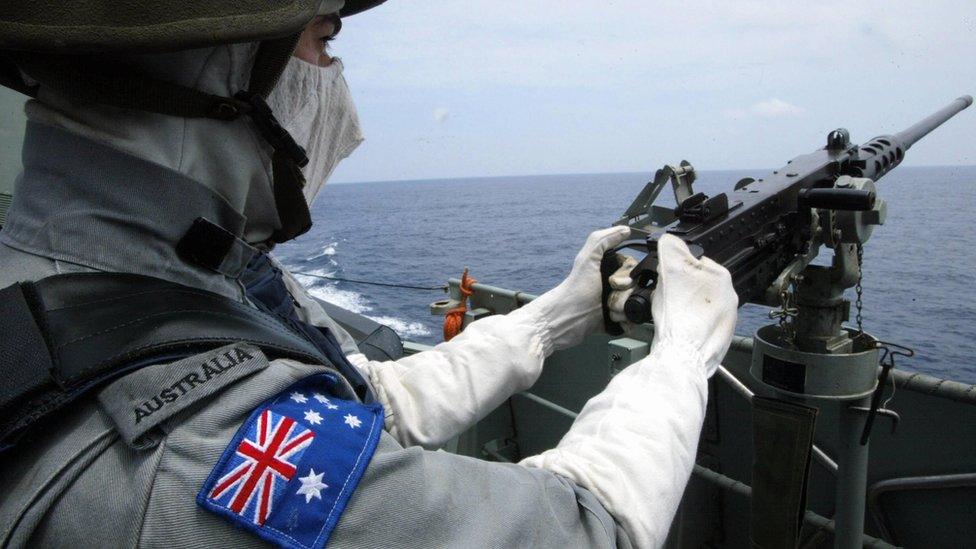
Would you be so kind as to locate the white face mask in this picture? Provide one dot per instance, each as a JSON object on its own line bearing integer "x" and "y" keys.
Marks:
{"x": 314, "y": 104}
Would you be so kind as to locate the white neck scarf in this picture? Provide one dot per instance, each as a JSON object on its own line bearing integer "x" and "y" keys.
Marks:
{"x": 314, "y": 104}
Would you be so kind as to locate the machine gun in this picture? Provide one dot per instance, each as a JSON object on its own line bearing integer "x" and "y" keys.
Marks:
{"x": 766, "y": 233}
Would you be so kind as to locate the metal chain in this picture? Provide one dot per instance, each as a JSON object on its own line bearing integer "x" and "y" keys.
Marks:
{"x": 788, "y": 310}
{"x": 859, "y": 290}
{"x": 887, "y": 357}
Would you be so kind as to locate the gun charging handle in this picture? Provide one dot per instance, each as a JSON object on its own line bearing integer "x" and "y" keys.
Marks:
{"x": 837, "y": 199}
{"x": 637, "y": 308}
{"x": 855, "y": 203}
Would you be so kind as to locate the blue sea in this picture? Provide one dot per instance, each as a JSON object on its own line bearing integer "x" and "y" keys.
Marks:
{"x": 523, "y": 232}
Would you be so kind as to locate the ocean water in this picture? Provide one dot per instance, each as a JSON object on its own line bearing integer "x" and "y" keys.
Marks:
{"x": 523, "y": 232}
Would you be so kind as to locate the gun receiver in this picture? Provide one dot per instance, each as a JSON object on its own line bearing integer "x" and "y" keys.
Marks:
{"x": 768, "y": 230}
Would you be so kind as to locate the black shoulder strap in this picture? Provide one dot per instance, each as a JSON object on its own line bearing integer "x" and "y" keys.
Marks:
{"x": 67, "y": 334}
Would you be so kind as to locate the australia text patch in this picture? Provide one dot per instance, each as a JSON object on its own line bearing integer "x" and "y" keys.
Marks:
{"x": 147, "y": 397}
{"x": 291, "y": 468}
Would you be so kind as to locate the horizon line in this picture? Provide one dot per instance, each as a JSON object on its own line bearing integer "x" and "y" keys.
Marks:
{"x": 467, "y": 177}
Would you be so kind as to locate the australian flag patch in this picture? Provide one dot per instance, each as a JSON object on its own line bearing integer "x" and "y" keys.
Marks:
{"x": 288, "y": 473}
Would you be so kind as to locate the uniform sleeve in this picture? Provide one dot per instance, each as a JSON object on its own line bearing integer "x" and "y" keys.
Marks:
{"x": 421, "y": 498}
{"x": 634, "y": 444}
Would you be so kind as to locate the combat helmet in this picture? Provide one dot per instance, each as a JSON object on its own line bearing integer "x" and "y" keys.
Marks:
{"x": 67, "y": 46}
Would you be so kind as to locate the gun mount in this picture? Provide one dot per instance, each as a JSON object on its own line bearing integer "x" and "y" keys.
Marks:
{"x": 766, "y": 233}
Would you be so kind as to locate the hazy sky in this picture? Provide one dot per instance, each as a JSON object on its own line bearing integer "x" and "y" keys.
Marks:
{"x": 477, "y": 88}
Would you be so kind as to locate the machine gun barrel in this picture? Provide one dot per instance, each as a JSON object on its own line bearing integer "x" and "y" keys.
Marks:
{"x": 883, "y": 153}
{"x": 910, "y": 136}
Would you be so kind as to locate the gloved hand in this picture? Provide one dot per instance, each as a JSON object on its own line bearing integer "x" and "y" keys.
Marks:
{"x": 693, "y": 308}
{"x": 573, "y": 309}
{"x": 634, "y": 444}
{"x": 694, "y": 303}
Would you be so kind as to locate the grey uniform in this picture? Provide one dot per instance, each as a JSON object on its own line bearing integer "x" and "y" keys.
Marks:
{"x": 80, "y": 481}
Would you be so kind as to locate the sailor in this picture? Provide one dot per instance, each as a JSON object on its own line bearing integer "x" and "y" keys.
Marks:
{"x": 147, "y": 403}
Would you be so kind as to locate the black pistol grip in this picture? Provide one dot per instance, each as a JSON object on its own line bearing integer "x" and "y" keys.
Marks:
{"x": 609, "y": 265}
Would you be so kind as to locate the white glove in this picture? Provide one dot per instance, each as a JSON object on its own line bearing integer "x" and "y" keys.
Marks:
{"x": 634, "y": 444}
{"x": 573, "y": 309}
{"x": 694, "y": 303}
{"x": 433, "y": 396}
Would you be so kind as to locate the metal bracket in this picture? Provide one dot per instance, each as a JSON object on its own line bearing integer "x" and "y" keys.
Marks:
{"x": 642, "y": 209}
{"x": 886, "y": 412}
{"x": 887, "y": 363}
{"x": 625, "y": 351}
{"x": 800, "y": 262}
{"x": 682, "y": 179}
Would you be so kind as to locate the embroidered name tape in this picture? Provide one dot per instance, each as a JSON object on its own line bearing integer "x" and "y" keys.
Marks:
{"x": 290, "y": 470}
{"x": 144, "y": 399}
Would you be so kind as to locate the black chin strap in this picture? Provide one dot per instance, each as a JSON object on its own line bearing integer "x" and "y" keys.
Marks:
{"x": 286, "y": 163}
{"x": 95, "y": 80}
{"x": 289, "y": 157}
{"x": 293, "y": 211}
